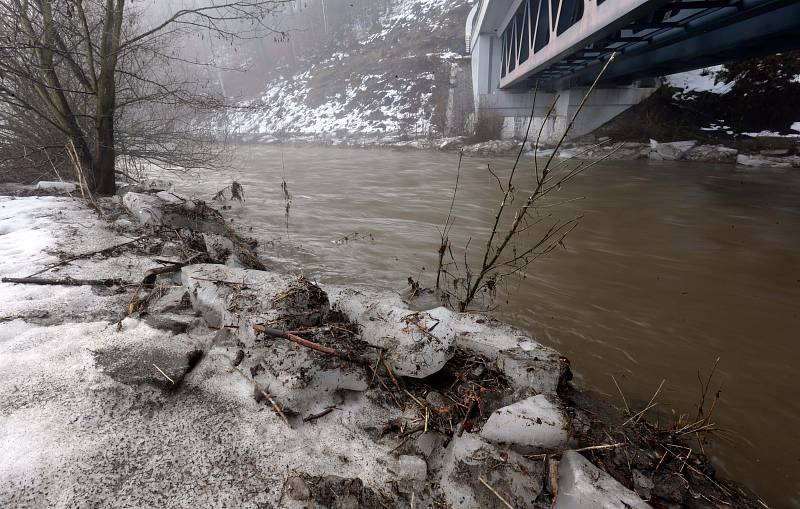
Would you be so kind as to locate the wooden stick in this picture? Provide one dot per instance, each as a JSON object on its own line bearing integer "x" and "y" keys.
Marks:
{"x": 463, "y": 423}
{"x": 635, "y": 418}
{"x": 552, "y": 474}
{"x": 311, "y": 345}
{"x": 600, "y": 447}
{"x": 275, "y": 406}
{"x": 391, "y": 374}
{"x": 624, "y": 400}
{"x": 68, "y": 281}
{"x": 151, "y": 275}
{"x": 406, "y": 436}
{"x": 415, "y": 429}
{"x": 87, "y": 255}
{"x": 375, "y": 369}
{"x": 500, "y": 497}
{"x": 320, "y": 414}
{"x": 72, "y": 152}
{"x": 638, "y": 414}
{"x": 165, "y": 375}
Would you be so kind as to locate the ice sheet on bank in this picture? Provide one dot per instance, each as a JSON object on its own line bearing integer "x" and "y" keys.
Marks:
{"x": 774, "y": 134}
{"x": 71, "y": 435}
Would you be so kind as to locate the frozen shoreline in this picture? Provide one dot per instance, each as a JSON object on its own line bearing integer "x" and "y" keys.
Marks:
{"x": 88, "y": 418}
{"x": 689, "y": 151}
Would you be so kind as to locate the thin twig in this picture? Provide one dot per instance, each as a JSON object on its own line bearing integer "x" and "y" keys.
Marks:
{"x": 624, "y": 400}
{"x": 323, "y": 413}
{"x": 496, "y": 494}
{"x": 88, "y": 255}
{"x": 487, "y": 277}
{"x": 311, "y": 345}
{"x": 601, "y": 447}
{"x": 391, "y": 374}
{"x": 67, "y": 281}
{"x": 635, "y": 418}
{"x": 460, "y": 428}
{"x": 165, "y": 375}
{"x": 275, "y": 406}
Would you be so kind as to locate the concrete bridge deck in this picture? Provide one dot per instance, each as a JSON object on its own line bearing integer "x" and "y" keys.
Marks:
{"x": 557, "y": 40}
{"x": 562, "y": 44}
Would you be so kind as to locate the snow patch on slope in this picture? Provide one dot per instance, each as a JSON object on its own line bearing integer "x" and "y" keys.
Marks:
{"x": 406, "y": 12}
{"x": 389, "y": 94}
{"x": 369, "y": 103}
{"x": 700, "y": 80}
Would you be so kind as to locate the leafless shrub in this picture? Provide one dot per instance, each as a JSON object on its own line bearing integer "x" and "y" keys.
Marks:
{"x": 233, "y": 192}
{"x": 507, "y": 251}
{"x": 287, "y": 197}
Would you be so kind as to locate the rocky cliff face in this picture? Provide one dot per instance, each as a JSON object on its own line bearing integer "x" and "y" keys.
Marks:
{"x": 361, "y": 66}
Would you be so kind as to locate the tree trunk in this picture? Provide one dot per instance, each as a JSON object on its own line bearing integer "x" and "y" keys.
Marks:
{"x": 103, "y": 170}
{"x": 85, "y": 157}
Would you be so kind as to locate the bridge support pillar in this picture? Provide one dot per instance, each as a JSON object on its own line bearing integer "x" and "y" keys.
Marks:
{"x": 505, "y": 113}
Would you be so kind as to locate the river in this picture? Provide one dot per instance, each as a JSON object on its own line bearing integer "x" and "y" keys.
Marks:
{"x": 672, "y": 266}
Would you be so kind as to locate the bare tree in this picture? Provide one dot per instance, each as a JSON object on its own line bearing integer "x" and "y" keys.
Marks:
{"x": 104, "y": 78}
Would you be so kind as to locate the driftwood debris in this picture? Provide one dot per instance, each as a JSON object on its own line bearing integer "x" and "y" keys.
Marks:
{"x": 81, "y": 256}
{"x": 67, "y": 281}
{"x": 357, "y": 359}
{"x": 137, "y": 300}
{"x": 275, "y": 406}
{"x": 323, "y": 413}
{"x": 170, "y": 267}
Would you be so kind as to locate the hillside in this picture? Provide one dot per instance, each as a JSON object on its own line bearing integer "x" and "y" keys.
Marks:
{"x": 366, "y": 67}
{"x": 397, "y": 67}
{"x": 749, "y": 105}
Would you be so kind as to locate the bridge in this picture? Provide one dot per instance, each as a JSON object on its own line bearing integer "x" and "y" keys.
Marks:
{"x": 562, "y": 44}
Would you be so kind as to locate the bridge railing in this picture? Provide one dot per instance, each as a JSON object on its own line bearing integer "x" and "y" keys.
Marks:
{"x": 540, "y": 31}
{"x": 472, "y": 24}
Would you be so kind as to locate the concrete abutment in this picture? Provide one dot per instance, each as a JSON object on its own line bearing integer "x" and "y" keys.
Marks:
{"x": 504, "y": 113}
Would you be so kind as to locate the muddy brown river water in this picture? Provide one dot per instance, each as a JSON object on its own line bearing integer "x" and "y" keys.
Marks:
{"x": 672, "y": 266}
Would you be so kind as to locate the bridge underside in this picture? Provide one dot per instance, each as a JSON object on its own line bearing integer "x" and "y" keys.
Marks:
{"x": 673, "y": 37}
{"x": 562, "y": 44}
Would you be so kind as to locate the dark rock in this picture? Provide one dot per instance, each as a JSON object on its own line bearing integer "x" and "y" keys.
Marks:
{"x": 168, "y": 324}
{"x": 137, "y": 365}
{"x": 643, "y": 484}
{"x": 342, "y": 493}
{"x": 712, "y": 154}
{"x": 297, "y": 488}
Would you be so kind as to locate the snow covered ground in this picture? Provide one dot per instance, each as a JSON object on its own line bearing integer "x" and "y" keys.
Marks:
{"x": 709, "y": 80}
{"x": 87, "y": 418}
{"x": 72, "y": 436}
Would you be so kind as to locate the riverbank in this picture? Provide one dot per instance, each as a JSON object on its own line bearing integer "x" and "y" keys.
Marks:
{"x": 763, "y": 153}
{"x": 170, "y": 359}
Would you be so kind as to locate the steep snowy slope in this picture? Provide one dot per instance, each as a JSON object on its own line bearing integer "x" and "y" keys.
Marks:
{"x": 384, "y": 70}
